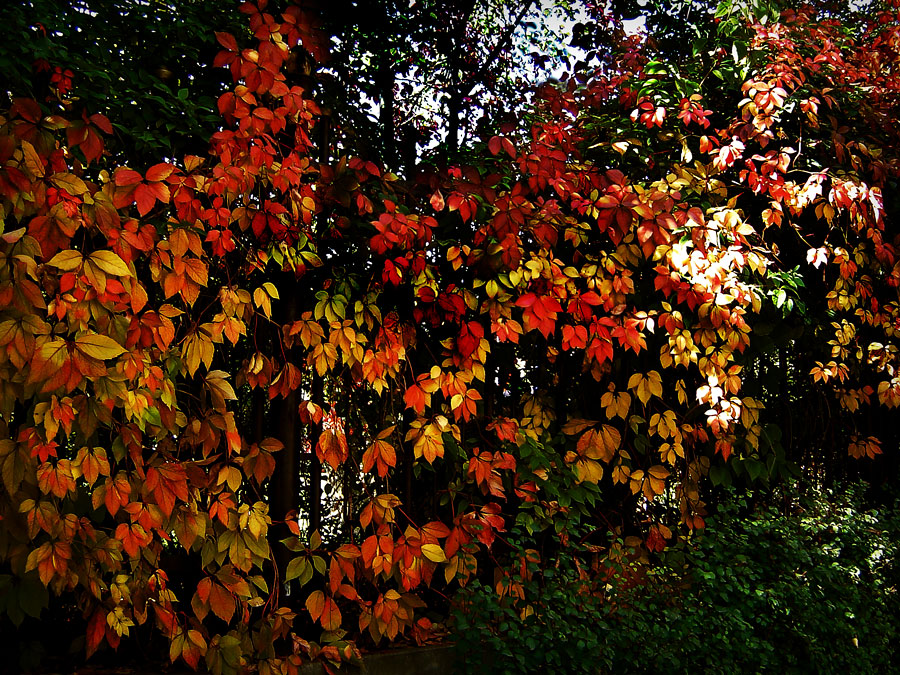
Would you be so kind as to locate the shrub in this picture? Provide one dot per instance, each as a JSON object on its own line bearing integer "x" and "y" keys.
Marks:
{"x": 810, "y": 590}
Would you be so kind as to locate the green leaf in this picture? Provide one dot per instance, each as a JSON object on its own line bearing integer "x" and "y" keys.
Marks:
{"x": 298, "y": 568}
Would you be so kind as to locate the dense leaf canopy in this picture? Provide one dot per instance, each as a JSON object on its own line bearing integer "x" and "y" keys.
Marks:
{"x": 274, "y": 385}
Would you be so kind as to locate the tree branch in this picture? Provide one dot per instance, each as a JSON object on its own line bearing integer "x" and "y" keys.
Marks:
{"x": 478, "y": 76}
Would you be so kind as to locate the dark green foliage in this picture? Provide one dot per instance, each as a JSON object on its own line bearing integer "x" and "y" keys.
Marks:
{"x": 807, "y": 588}
{"x": 566, "y": 633}
{"x": 146, "y": 65}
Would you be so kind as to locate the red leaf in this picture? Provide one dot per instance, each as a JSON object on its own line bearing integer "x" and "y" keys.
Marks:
{"x": 126, "y": 176}
{"x": 101, "y": 122}
{"x": 96, "y": 631}
{"x": 144, "y": 198}
{"x": 227, "y": 40}
{"x": 92, "y": 145}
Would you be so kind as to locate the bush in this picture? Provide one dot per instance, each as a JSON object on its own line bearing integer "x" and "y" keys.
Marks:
{"x": 810, "y": 591}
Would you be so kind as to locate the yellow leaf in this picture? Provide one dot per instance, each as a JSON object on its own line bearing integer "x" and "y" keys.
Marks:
{"x": 33, "y": 161}
{"x": 70, "y": 183}
{"x": 324, "y": 356}
{"x": 637, "y": 481}
{"x": 659, "y": 472}
{"x": 117, "y": 620}
{"x": 576, "y": 425}
{"x": 429, "y": 443}
{"x": 197, "y": 347}
{"x": 110, "y": 263}
{"x": 231, "y": 476}
{"x": 451, "y": 569}
{"x": 655, "y": 383}
{"x": 220, "y": 390}
{"x": 98, "y": 346}
{"x": 646, "y": 386}
{"x": 66, "y": 260}
{"x": 643, "y": 390}
{"x": 588, "y": 470}
{"x": 623, "y": 400}
{"x": 262, "y": 300}
{"x": 434, "y": 553}
{"x": 96, "y": 277}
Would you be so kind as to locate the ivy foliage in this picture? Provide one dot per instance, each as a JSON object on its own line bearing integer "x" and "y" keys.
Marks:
{"x": 274, "y": 402}
{"x": 147, "y": 66}
{"x": 805, "y": 585}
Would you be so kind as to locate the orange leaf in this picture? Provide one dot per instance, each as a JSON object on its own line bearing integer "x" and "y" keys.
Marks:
{"x": 165, "y": 483}
{"x": 193, "y": 648}
{"x": 332, "y": 448}
{"x": 118, "y": 490}
{"x": 315, "y": 604}
{"x": 159, "y": 172}
{"x": 227, "y": 40}
{"x": 221, "y": 602}
{"x": 331, "y": 615}
{"x": 382, "y": 453}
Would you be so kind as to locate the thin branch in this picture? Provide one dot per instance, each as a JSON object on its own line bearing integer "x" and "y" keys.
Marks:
{"x": 478, "y": 76}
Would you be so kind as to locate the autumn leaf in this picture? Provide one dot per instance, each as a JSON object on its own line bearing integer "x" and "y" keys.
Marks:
{"x": 331, "y": 615}
{"x": 110, "y": 263}
{"x": 115, "y": 492}
{"x": 166, "y": 483}
{"x": 190, "y": 646}
{"x": 221, "y": 602}
{"x": 434, "y": 553}
{"x": 94, "y": 463}
{"x": 96, "y": 631}
{"x": 98, "y": 347}
{"x": 315, "y": 604}
{"x": 66, "y": 260}
{"x": 332, "y": 448}
{"x": 382, "y": 454}
{"x": 646, "y": 386}
{"x": 587, "y": 470}
{"x": 428, "y": 439}
{"x": 33, "y": 160}
{"x": 157, "y": 326}
{"x": 220, "y": 390}
{"x": 602, "y": 443}
{"x": 70, "y": 183}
